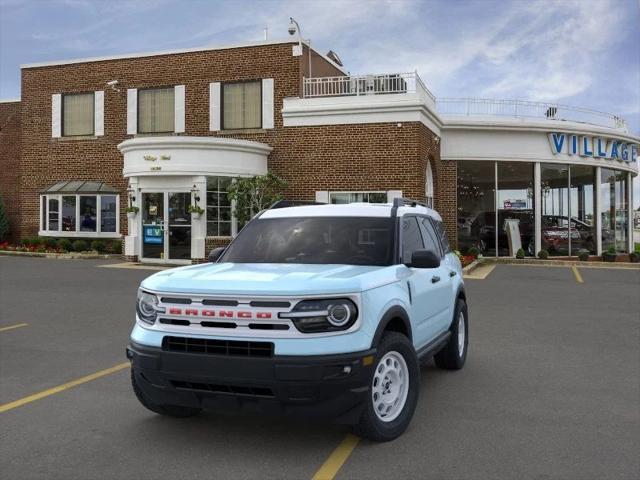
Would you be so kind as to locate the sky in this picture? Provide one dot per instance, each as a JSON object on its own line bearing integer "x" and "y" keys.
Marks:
{"x": 577, "y": 52}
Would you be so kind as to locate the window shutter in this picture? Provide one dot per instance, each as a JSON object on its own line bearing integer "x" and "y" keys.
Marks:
{"x": 98, "y": 125}
{"x": 391, "y": 194}
{"x": 214, "y": 106}
{"x": 56, "y": 115}
{"x": 179, "y": 99}
{"x": 132, "y": 111}
{"x": 322, "y": 196}
{"x": 267, "y": 103}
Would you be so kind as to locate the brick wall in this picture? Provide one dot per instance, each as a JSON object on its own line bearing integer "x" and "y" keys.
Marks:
{"x": 10, "y": 164}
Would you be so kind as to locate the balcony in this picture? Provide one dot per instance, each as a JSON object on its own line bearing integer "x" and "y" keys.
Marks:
{"x": 375, "y": 87}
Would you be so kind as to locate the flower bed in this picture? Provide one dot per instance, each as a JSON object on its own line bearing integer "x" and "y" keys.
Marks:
{"x": 63, "y": 245}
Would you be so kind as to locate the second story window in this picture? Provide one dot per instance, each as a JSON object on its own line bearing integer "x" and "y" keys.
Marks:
{"x": 156, "y": 110}
{"x": 242, "y": 105}
{"x": 78, "y": 114}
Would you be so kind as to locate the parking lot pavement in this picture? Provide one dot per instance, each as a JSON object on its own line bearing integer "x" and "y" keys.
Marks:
{"x": 550, "y": 389}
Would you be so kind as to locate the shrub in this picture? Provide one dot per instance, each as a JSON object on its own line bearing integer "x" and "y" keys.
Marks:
{"x": 65, "y": 244}
{"x": 113, "y": 246}
{"x": 611, "y": 249}
{"x": 474, "y": 252}
{"x": 31, "y": 242}
{"x": 583, "y": 255}
{"x": 543, "y": 254}
{"x": 98, "y": 246}
{"x": 50, "y": 243}
{"x": 80, "y": 246}
{"x": 634, "y": 257}
{"x": 520, "y": 253}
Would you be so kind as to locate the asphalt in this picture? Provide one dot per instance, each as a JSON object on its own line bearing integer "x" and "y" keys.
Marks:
{"x": 551, "y": 389}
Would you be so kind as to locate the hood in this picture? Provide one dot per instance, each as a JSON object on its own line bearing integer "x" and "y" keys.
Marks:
{"x": 265, "y": 279}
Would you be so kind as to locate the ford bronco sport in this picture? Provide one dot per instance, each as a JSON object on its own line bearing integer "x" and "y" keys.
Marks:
{"x": 321, "y": 310}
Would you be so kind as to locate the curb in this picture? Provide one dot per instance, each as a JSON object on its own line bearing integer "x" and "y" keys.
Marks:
{"x": 62, "y": 256}
{"x": 562, "y": 263}
{"x": 473, "y": 265}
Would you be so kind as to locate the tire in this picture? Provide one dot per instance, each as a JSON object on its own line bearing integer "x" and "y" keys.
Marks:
{"x": 167, "y": 410}
{"x": 396, "y": 352}
{"x": 450, "y": 357}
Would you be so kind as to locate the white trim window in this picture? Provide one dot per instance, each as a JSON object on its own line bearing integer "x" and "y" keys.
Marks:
{"x": 75, "y": 214}
{"x": 242, "y": 105}
{"x": 77, "y": 114}
{"x": 220, "y": 219}
{"x": 156, "y": 110}
{"x": 357, "y": 197}
{"x": 428, "y": 187}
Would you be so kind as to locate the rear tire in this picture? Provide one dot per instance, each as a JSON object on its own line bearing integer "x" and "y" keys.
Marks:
{"x": 393, "y": 393}
{"x": 167, "y": 410}
{"x": 454, "y": 353}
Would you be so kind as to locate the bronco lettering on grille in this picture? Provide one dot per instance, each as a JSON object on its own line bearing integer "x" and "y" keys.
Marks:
{"x": 243, "y": 314}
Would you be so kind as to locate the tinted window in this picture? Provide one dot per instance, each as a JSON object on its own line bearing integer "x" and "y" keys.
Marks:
{"x": 430, "y": 239}
{"x": 442, "y": 235}
{"x": 316, "y": 240}
{"x": 411, "y": 238}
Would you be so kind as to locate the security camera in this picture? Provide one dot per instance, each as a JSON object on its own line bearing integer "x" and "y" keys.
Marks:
{"x": 112, "y": 83}
{"x": 292, "y": 29}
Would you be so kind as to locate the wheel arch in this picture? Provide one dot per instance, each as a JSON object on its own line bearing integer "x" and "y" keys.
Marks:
{"x": 396, "y": 319}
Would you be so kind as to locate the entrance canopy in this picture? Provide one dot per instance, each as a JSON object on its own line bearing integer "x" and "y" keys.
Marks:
{"x": 80, "y": 186}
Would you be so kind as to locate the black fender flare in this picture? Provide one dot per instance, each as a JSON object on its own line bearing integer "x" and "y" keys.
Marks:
{"x": 394, "y": 312}
{"x": 462, "y": 295}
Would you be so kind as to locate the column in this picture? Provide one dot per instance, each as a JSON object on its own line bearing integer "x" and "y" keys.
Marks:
{"x": 598, "y": 212}
{"x": 537, "y": 210}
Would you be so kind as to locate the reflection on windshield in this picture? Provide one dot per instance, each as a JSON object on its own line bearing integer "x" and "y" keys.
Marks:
{"x": 317, "y": 240}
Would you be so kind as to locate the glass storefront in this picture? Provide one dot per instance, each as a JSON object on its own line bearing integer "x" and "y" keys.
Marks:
{"x": 568, "y": 202}
{"x": 614, "y": 197}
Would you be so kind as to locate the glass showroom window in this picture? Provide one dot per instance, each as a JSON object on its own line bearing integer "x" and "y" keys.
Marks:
{"x": 156, "y": 110}
{"x": 554, "y": 190}
{"x": 219, "y": 218}
{"x": 476, "y": 206}
{"x": 357, "y": 197}
{"x": 582, "y": 206}
{"x": 614, "y": 197}
{"x": 78, "y": 114}
{"x": 515, "y": 206}
{"x": 242, "y": 105}
{"x": 80, "y": 215}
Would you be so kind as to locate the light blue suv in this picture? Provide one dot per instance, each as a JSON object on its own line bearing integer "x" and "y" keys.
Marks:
{"x": 319, "y": 310}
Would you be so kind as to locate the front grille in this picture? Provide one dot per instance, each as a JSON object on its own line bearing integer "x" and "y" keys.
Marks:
{"x": 230, "y": 389}
{"x": 236, "y": 348}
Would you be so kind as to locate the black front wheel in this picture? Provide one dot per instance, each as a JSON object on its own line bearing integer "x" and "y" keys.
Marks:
{"x": 168, "y": 410}
{"x": 393, "y": 393}
{"x": 454, "y": 353}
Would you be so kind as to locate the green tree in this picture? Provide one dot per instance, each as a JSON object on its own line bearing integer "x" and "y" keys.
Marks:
{"x": 252, "y": 194}
{"x": 4, "y": 222}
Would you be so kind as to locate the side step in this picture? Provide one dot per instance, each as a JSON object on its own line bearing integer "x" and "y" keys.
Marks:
{"x": 430, "y": 349}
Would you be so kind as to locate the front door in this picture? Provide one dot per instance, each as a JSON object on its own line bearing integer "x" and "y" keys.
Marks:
{"x": 166, "y": 226}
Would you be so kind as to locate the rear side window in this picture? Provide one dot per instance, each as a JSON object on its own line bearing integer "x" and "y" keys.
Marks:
{"x": 411, "y": 238}
{"x": 430, "y": 239}
{"x": 442, "y": 235}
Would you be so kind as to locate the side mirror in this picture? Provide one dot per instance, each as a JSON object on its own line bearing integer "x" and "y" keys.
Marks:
{"x": 215, "y": 254}
{"x": 424, "y": 259}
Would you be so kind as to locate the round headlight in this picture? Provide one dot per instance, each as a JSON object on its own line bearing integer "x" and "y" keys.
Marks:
{"x": 339, "y": 314}
{"x": 147, "y": 307}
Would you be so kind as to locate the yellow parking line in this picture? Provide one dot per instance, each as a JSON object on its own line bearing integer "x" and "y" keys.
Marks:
{"x": 576, "y": 273}
{"x": 11, "y": 327}
{"x": 60, "y": 388}
{"x": 332, "y": 465}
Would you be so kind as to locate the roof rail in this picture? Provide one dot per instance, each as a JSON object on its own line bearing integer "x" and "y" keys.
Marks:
{"x": 293, "y": 203}
{"x": 402, "y": 202}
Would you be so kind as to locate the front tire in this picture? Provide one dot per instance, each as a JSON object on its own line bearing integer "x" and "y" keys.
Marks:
{"x": 393, "y": 394}
{"x": 167, "y": 410}
{"x": 454, "y": 353}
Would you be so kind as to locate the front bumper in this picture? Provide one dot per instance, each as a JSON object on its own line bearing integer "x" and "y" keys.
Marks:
{"x": 329, "y": 386}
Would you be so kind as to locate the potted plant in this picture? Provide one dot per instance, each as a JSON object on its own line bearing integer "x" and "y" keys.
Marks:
{"x": 543, "y": 254}
{"x": 195, "y": 210}
{"x": 610, "y": 255}
{"x": 132, "y": 211}
{"x": 583, "y": 255}
{"x": 520, "y": 254}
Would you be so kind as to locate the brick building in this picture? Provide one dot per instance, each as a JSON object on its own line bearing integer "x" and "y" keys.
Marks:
{"x": 162, "y": 131}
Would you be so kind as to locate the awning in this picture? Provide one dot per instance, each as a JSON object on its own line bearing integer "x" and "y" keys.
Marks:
{"x": 80, "y": 186}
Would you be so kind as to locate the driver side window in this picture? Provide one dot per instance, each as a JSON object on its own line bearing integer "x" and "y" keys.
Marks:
{"x": 411, "y": 238}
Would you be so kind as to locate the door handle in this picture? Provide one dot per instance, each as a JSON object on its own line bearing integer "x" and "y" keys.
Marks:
{"x": 452, "y": 273}
{"x": 435, "y": 279}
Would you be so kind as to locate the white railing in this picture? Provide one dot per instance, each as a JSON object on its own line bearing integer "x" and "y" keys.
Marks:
{"x": 381, "y": 84}
{"x": 525, "y": 109}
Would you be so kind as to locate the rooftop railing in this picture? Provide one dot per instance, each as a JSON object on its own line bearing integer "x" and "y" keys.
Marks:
{"x": 399, "y": 83}
{"x": 357, "y": 85}
{"x": 526, "y": 109}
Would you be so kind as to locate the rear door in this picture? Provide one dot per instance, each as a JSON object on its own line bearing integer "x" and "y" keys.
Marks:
{"x": 426, "y": 285}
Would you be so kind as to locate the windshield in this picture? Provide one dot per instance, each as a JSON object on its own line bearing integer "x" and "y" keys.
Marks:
{"x": 320, "y": 240}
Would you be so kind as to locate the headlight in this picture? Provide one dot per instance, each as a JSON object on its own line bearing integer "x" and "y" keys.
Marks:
{"x": 147, "y": 307}
{"x": 330, "y": 315}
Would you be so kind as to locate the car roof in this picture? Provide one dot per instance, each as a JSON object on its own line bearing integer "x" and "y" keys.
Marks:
{"x": 349, "y": 210}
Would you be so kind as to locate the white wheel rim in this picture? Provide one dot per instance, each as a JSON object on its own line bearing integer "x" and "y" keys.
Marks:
{"x": 390, "y": 386}
{"x": 461, "y": 334}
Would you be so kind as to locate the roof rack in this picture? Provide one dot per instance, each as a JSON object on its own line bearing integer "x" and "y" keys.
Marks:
{"x": 293, "y": 203}
{"x": 402, "y": 202}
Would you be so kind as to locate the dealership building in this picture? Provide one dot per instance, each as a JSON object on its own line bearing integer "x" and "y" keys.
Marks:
{"x": 91, "y": 138}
